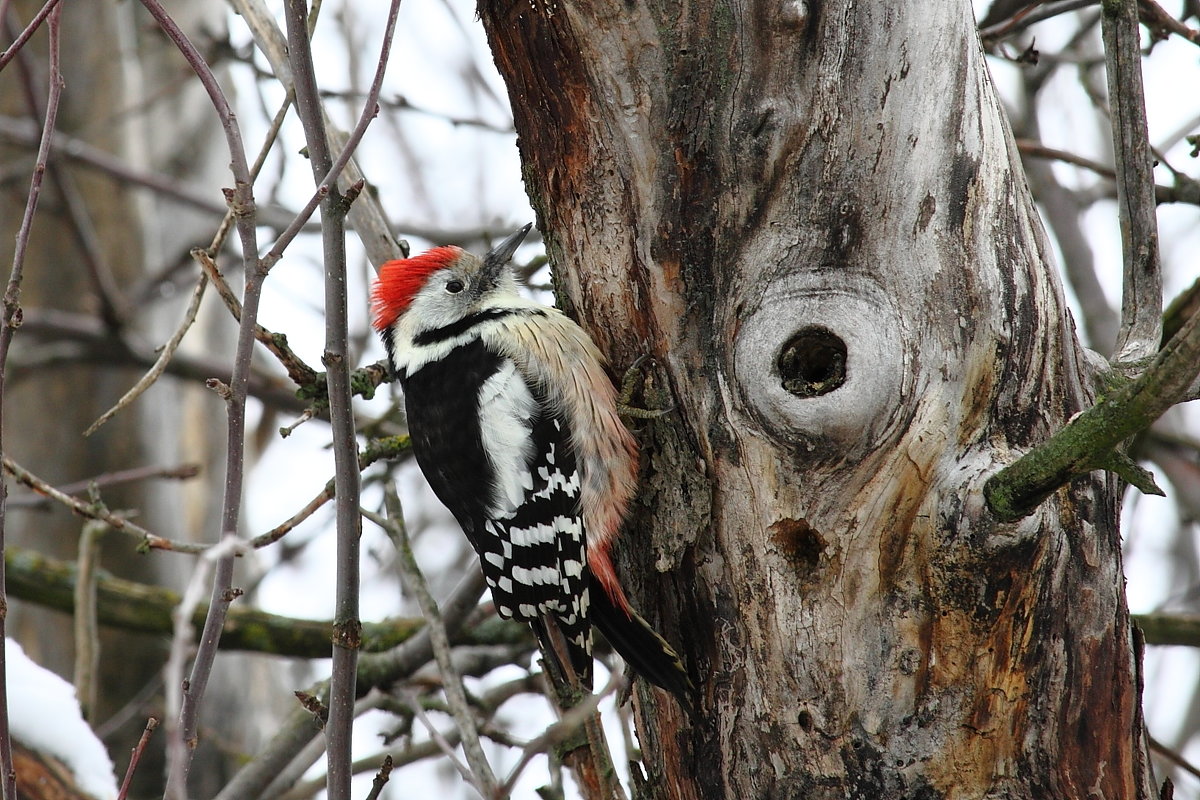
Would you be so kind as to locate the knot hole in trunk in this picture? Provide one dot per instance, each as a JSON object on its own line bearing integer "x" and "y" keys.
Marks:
{"x": 812, "y": 362}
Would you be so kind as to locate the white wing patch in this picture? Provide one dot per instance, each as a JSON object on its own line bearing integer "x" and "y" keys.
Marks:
{"x": 506, "y": 407}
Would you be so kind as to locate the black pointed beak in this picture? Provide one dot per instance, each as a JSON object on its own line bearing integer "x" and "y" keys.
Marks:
{"x": 502, "y": 253}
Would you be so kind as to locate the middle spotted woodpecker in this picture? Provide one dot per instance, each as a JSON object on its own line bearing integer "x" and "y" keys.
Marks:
{"x": 514, "y": 423}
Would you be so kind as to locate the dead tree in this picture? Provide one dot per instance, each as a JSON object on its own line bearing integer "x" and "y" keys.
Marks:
{"x": 813, "y": 217}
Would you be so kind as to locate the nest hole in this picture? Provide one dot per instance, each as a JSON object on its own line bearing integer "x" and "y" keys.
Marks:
{"x": 812, "y": 363}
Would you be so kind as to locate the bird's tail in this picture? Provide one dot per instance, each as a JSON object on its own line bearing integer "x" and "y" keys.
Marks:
{"x": 642, "y": 647}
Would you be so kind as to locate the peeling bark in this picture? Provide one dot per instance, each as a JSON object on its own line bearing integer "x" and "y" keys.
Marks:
{"x": 715, "y": 180}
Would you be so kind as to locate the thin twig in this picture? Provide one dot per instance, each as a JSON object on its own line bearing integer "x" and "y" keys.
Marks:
{"x": 12, "y": 311}
{"x": 456, "y": 696}
{"x": 108, "y": 479}
{"x": 444, "y": 745}
{"x": 95, "y": 345}
{"x": 1174, "y": 757}
{"x": 381, "y": 669}
{"x": 388, "y": 448}
{"x": 136, "y": 756}
{"x": 89, "y": 510}
{"x": 181, "y": 472}
{"x": 337, "y": 166}
{"x": 87, "y": 629}
{"x": 25, "y": 35}
{"x": 1141, "y": 297}
{"x": 572, "y": 720}
{"x": 160, "y": 365}
{"x": 229, "y": 218}
{"x": 11, "y": 320}
{"x": 1039, "y": 150}
{"x": 412, "y": 752}
{"x": 381, "y": 778}
{"x": 241, "y": 201}
{"x": 366, "y": 216}
{"x": 179, "y": 740}
{"x": 1031, "y": 15}
{"x": 300, "y": 372}
{"x": 288, "y": 430}
{"x": 78, "y": 151}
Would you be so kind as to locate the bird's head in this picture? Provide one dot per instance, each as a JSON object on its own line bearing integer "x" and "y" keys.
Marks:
{"x": 442, "y": 286}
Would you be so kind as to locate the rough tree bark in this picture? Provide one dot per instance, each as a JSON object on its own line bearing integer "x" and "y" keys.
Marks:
{"x": 812, "y": 215}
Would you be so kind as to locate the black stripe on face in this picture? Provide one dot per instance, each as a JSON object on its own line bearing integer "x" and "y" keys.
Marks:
{"x": 467, "y": 323}
{"x": 460, "y": 327}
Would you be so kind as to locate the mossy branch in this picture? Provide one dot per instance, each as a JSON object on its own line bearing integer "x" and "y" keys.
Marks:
{"x": 1181, "y": 629}
{"x": 1090, "y": 440}
{"x": 143, "y": 608}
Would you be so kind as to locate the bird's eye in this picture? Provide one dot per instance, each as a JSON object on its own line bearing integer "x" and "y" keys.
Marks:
{"x": 454, "y": 287}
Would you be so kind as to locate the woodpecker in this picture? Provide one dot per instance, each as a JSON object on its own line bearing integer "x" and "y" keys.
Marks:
{"x": 514, "y": 424}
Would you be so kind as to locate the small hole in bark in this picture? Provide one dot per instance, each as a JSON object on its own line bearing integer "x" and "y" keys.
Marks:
{"x": 799, "y": 542}
{"x": 805, "y": 720}
{"x": 812, "y": 363}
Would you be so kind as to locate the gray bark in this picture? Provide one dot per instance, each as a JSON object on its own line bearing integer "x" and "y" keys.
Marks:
{"x": 748, "y": 192}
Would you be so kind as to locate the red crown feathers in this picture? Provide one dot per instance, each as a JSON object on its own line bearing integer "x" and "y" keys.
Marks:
{"x": 399, "y": 280}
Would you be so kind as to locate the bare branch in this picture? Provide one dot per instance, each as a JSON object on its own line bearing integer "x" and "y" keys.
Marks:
{"x": 160, "y": 365}
{"x": 1088, "y": 442}
{"x": 366, "y": 216}
{"x": 181, "y": 472}
{"x": 301, "y": 373}
{"x": 1030, "y": 15}
{"x": 572, "y": 720}
{"x": 336, "y": 167}
{"x": 181, "y": 741}
{"x": 30, "y": 29}
{"x": 1039, "y": 150}
{"x": 382, "y": 669}
{"x": 445, "y": 747}
{"x": 334, "y": 208}
{"x": 89, "y": 510}
{"x": 98, "y": 345}
{"x": 241, "y": 201}
{"x": 87, "y": 633}
{"x": 1141, "y": 299}
{"x": 483, "y": 777}
{"x": 347, "y": 625}
{"x": 138, "y": 750}
{"x": 11, "y": 320}
{"x": 1162, "y": 24}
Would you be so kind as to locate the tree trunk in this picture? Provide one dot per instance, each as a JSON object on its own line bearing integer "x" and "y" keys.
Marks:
{"x": 812, "y": 215}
